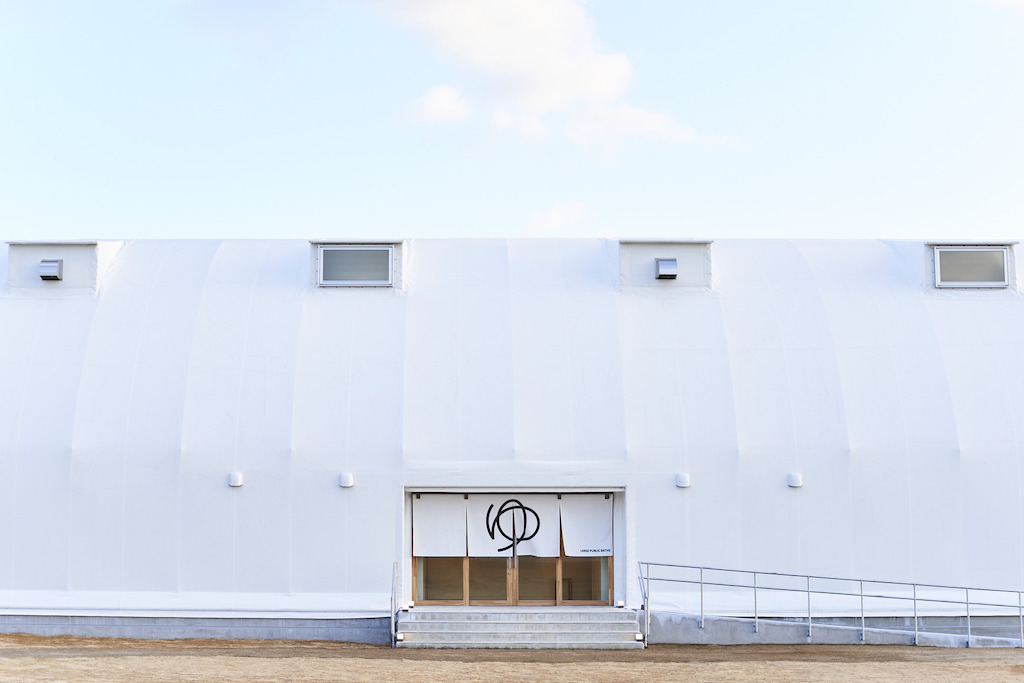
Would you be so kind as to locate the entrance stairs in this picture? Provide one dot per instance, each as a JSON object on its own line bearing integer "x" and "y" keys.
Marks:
{"x": 605, "y": 628}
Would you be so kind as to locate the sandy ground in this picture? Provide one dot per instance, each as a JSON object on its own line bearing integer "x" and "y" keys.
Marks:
{"x": 35, "y": 658}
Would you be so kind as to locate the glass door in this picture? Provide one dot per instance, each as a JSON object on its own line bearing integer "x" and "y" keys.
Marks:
{"x": 503, "y": 581}
{"x": 490, "y": 580}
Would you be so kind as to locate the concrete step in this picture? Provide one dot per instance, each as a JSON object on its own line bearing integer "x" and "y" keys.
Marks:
{"x": 524, "y": 627}
{"x": 599, "y": 615}
{"x": 503, "y": 636}
{"x": 515, "y": 645}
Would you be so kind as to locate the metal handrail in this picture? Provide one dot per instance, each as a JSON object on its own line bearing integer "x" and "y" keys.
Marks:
{"x": 646, "y": 578}
{"x": 394, "y": 605}
{"x": 645, "y": 603}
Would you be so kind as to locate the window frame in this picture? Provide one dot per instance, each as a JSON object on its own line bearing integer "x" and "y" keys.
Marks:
{"x": 972, "y": 284}
{"x": 321, "y": 248}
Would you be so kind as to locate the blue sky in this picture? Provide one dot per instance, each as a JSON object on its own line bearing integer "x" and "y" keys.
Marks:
{"x": 444, "y": 118}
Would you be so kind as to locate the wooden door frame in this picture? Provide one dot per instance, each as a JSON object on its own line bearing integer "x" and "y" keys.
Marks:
{"x": 512, "y": 589}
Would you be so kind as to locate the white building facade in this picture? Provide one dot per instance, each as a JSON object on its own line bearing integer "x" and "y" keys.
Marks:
{"x": 266, "y": 429}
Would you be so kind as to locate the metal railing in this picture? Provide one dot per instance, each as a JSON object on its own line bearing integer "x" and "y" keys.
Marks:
{"x": 394, "y": 605}
{"x": 698, "y": 577}
{"x": 643, "y": 597}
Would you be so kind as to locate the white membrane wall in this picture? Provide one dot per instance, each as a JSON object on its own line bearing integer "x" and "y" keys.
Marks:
{"x": 130, "y": 396}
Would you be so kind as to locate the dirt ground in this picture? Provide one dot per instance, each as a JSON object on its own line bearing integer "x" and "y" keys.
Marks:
{"x": 36, "y": 658}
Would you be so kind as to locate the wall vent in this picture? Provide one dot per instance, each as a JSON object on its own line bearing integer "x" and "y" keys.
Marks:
{"x": 51, "y": 269}
{"x": 667, "y": 268}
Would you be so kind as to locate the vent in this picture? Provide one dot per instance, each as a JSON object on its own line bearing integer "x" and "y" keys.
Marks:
{"x": 51, "y": 269}
{"x": 667, "y": 268}
{"x": 356, "y": 266}
{"x": 972, "y": 267}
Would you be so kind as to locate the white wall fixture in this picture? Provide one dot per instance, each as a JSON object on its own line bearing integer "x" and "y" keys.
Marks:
{"x": 362, "y": 265}
{"x": 683, "y": 480}
{"x": 51, "y": 269}
{"x": 795, "y": 480}
{"x": 972, "y": 266}
{"x": 235, "y": 479}
{"x": 346, "y": 480}
{"x": 667, "y": 268}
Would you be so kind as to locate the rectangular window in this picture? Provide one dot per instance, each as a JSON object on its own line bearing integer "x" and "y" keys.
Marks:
{"x": 971, "y": 267}
{"x": 356, "y": 266}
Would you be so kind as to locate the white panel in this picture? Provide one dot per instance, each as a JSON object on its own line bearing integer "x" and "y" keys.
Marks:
{"x": 595, "y": 374}
{"x": 261, "y": 528}
{"x": 708, "y": 401}
{"x": 97, "y": 531}
{"x": 925, "y": 394}
{"x": 486, "y": 415}
{"x": 819, "y": 415}
{"x": 152, "y": 520}
{"x": 801, "y": 317}
{"x": 896, "y": 401}
{"x": 827, "y": 516}
{"x": 439, "y": 525}
{"x": 769, "y": 510}
{"x": 989, "y": 479}
{"x": 979, "y": 393}
{"x": 80, "y": 268}
{"x": 431, "y": 364}
{"x": 937, "y": 514}
{"x": 879, "y": 493}
{"x": 764, "y": 409}
{"x": 542, "y": 409}
{"x": 320, "y": 542}
{"x": 370, "y": 524}
{"x": 654, "y": 413}
{"x": 871, "y": 396}
{"x": 586, "y": 524}
{"x": 7, "y": 503}
{"x": 374, "y": 427}
{"x": 494, "y": 520}
{"x": 207, "y": 525}
{"x": 42, "y": 512}
{"x": 638, "y": 268}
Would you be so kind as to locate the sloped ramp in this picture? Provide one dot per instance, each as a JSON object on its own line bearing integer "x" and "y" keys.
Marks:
{"x": 718, "y": 630}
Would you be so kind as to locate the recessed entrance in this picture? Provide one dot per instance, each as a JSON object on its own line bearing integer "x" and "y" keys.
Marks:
{"x": 497, "y": 581}
{"x": 532, "y": 549}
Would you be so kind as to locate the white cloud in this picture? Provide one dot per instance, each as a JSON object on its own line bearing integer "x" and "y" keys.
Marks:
{"x": 534, "y": 60}
{"x": 600, "y": 124}
{"x": 529, "y": 125}
{"x": 1010, "y": 4}
{"x": 555, "y": 220}
{"x": 441, "y": 103}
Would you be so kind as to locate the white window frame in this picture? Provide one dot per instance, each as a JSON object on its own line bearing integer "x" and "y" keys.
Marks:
{"x": 936, "y": 250}
{"x": 390, "y": 248}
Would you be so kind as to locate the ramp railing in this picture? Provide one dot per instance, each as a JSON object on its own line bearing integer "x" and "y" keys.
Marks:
{"x": 643, "y": 596}
{"x": 781, "y": 597}
{"x": 394, "y": 604}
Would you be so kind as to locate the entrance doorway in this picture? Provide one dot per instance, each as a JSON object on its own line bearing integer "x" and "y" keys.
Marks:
{"x": 499, "y": 581}
{"x": 514, "y": 549}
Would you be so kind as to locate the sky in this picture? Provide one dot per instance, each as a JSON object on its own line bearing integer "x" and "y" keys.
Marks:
{"x": 393, "y": 119}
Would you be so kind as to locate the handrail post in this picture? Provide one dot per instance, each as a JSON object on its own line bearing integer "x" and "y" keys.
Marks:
{"x": 863, "y": 631}
{"x": 967, "y": 593}
{"x": 755, "y": 602}
{"x": 702, "y": 597}
{"x": 1020, "y": 614}
{"x": 647, "y": 608}
{"x": 808, "y": 608}
{"x": 394, "y": 584}
{"x": 915, "y": 614}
